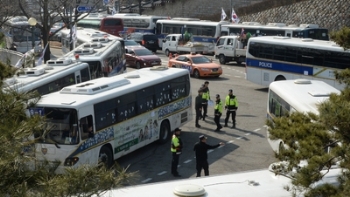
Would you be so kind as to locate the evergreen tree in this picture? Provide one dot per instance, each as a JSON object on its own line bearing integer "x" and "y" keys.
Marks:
{"x": 21, "y": 174}
{"x": 321, "y": 140}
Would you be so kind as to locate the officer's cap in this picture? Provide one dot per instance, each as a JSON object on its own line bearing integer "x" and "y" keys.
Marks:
{"x": 201, "y": 137}
{"x": 206, "y": 82}
{"x": 230, "y": 90}
{"x": 177, "y": 129}
{"x": 217, "y": 96}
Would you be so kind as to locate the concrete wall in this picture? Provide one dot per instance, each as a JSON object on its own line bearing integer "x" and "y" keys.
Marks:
{"x": 11, "y": 56}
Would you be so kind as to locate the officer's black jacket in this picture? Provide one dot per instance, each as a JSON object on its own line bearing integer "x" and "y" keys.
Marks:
{"x": 201, "y": 149}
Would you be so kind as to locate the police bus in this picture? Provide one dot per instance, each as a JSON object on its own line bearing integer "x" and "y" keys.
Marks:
{"x": 204, "y": 32}
{"x": 273, "y": 58}
{"x": 300, "y": 95}
{"x": 19, "y": 35}
{"x": 111, "y": 25}
{"x": 49, "y": 77}
{"x": 277, "y": 29}
{"x": 105, "y": 57}
{"x": 83, "y": 35}
{"x": 139, "y": 23}
{"x": 125, "y": 113}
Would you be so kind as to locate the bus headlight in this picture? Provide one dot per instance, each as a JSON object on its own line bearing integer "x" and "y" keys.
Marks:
{"x": 71, "y": 161}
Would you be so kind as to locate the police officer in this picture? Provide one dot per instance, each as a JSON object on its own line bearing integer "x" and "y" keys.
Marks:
{"x": 217, "y": 112}
{"x": 201, "y": 149}
{"x": 205, "y": 98}
{"x": 198, "y": 107}
{"x": 176, "y": 147}
{"x": 231, "y": 105}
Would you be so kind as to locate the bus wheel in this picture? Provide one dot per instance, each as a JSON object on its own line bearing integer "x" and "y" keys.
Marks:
{"x": 164, "y": 134}
{"x": 196, "y": 74}
{"x": 222, "y": 59}
{"x": 138, "y": 65}
{"x": 280, "y": 78}
{"x": 105, "y": 157}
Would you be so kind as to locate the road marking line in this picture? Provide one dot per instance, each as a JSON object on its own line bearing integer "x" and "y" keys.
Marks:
{"x": 188, "y": 161}
{"x": 247, "y": 134}
{"x": 256, "y": 130}
{"x": 146, "y": 180}
{"x": 239, "y": 138}
{"x": 161, "y": 173}
{"x": 209, "y": 151}
{"x": 230, "y": 142}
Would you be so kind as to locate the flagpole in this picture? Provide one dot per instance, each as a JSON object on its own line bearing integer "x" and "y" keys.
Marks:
{"x": 231, "y": 11}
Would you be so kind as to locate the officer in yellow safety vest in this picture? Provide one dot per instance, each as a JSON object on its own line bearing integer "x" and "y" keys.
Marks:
{"x": 205, "y": 98}
{"x": 217, "y": 112}
{"x": 231, "y": 106}
{"x": 176, "y": 147}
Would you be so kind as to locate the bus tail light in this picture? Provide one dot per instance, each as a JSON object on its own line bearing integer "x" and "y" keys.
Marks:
{"x": 143, "y": 42}
{"x": 71, "y": 161}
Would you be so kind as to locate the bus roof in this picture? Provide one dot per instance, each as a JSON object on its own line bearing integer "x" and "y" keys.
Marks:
{"x": 88, "y": 34}
{"x": 110, "y": 87}
{"x": 32, "y": 78}
{"x": 244, "y": 184}
{"x": 210, "y": 23}
{"x": 297, "y": 42}
{"x": 94, "y": 50}
{"x": 303, "y": 95}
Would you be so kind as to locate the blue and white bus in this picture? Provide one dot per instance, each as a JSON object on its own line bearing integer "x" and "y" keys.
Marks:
{"x": 277, "y": 58}
{"x": 139, "y": 23}
{"x": 204, "y": 32}
{"x": 277, "y": 29}
{"x": 98, "y": 121}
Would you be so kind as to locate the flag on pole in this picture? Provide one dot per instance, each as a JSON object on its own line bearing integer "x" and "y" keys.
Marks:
{"x": 223, "y": 14}
{"x": 234, "y": 17}
{"x": 74, "y": 33}
{"x": 40, "y": 60}
{"x": 114, "y": 11}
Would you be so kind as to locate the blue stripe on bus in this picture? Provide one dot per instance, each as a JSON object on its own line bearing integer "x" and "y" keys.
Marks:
{"x": 139, "y": 30}
{"x": 195, "y": 38}
{"x": 285, "y": 67}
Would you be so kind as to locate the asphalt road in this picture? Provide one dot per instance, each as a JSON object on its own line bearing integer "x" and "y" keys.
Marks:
{"x": 246, "y": 147}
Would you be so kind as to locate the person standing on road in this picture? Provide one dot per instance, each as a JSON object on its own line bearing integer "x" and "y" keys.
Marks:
{"x": 217, "y": 113}
{"x": 231, "y": 105}
{"x": 201, "y": 148}
{"x": 176, "y": 147}
{"x": 205, "y": 99}
{"x": 198, "y": 107}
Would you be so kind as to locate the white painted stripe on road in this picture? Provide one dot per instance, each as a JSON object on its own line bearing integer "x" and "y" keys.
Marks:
{"x": 220, "y": 146}
{"x": 239, "y": 138}
{"x": 188, "y": 161}
{"x": 256, "y": 130}
{"x": 161, "y": 173}
{"x": 230, "y": 142}
{"x": 146, "y": 180}
{"x": 209, "y": 151}
{"x": 247, "y": 134}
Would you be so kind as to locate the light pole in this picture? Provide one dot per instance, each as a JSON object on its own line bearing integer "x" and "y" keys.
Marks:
{"x": 32, "y": 22}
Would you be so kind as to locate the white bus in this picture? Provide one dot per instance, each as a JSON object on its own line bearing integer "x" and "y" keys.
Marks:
{"x": 277, "y": 29}
{"x": 258, "y": 183}
{"x": 276, "y": 58}
{"x": 105, "y": 57}
{"x": 101, "y": 120}
{"x": 19, "y": 35}
{"x": 204, "y": 32}
{"x": 300, "y": 95}
{"x": 49, "y": 77}
{"x": 139, "y": 23}
{"x": 84, "y": 35}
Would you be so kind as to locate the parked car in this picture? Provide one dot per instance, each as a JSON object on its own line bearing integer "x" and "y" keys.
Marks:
{"x": 198, "y": 65}
{"x": 140, "y": 57}
{"x": 131, "y": 43}
{"x": 148, "y": 40}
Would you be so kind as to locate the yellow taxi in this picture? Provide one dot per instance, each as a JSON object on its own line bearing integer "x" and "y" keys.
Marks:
{"x": 198, "y": 65}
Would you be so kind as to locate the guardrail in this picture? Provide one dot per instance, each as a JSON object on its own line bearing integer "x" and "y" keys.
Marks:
{"x": 9, "y": 56}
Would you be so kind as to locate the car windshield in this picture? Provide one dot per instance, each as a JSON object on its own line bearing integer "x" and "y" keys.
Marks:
{"x": 150, "y": 37}
{"x": 200, "y": 60}
{"x": 143, "y": 52}
{"x": 136, "y": 36}
{"x": 131, "y": 43}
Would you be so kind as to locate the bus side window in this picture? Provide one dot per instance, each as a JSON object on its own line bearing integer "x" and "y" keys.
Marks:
{"x": 86, "y": 127}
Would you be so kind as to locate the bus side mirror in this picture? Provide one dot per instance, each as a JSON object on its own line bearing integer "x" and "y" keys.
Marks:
{"x": 126, "y": 50}
{"x": 164, "y": 40}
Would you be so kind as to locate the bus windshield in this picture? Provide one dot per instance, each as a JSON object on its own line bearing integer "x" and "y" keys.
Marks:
{"x": 62, "y": 125}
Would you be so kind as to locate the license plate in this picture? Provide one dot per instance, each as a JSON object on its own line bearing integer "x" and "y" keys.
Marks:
{"x": 151, "y": 42}
{"x": 154, "y": 63}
